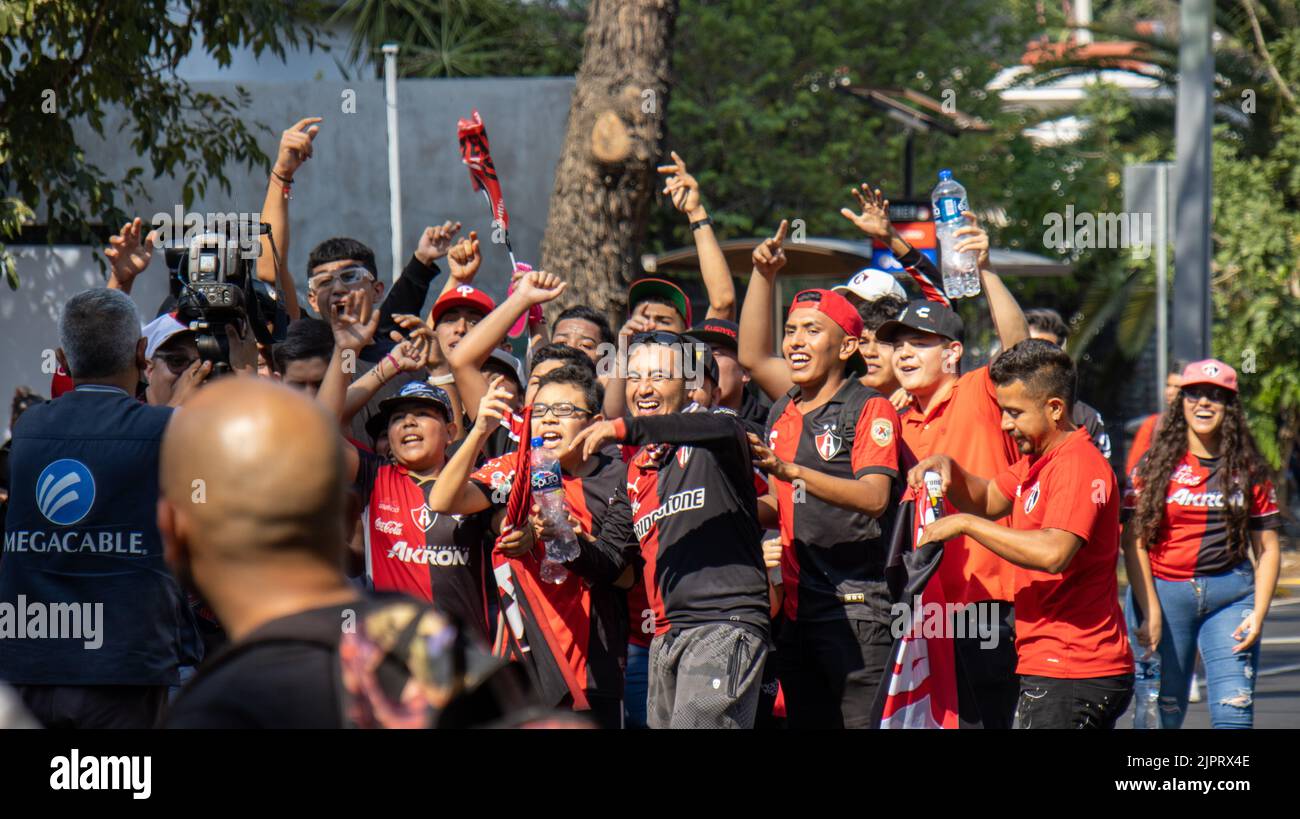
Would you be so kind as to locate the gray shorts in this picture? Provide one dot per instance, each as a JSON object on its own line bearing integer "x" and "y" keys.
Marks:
{"x": 705, "y": 677}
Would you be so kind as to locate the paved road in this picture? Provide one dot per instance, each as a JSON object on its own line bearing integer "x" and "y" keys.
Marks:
{"x": 1277, "y": 692}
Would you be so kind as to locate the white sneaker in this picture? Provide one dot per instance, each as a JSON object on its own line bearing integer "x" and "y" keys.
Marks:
{"x": 1195, "y": 694}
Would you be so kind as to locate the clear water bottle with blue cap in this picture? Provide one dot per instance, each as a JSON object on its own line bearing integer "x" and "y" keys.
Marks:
{"x": 548, "y": 492}
{"x": 960, "y": 270}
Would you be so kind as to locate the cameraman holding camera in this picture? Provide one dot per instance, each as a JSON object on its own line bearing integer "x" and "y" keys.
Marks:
{"x": 82, "y": 551}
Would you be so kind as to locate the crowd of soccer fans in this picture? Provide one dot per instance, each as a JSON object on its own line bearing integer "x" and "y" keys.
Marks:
{"x": 347, "y": 530}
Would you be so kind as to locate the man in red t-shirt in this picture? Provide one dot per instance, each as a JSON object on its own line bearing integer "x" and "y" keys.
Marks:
{"x": 1074, "y": 659}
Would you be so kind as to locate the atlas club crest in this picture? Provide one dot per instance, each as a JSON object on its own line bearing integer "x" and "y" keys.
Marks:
{"x": 828, "y": 442}
{"x": 423, "y": 517}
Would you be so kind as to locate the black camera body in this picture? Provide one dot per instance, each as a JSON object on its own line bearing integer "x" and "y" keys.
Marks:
{"x": 215, "y": 285}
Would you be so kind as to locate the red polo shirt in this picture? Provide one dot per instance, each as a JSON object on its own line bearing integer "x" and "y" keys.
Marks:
{"x": 1069, "y": 625}
{"x": 966, "y": 425}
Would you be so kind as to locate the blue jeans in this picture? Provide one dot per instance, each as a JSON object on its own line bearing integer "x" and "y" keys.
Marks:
{"x": 636, "y": 685}
{"x": 1204, "y": 612}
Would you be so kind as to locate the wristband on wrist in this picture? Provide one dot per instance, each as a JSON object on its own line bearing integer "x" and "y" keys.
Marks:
{"x": 286, "y": 184}
{"x": 396, "y": 368}
{"x": 701, "y": 223}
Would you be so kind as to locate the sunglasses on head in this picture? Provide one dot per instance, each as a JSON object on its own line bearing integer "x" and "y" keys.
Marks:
{"x": 348, "y": 276}
{"x": 1216, "y": 395}
{"x": 656, "y": 337}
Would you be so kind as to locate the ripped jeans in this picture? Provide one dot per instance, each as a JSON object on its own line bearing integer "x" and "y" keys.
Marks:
{"x": 1204, "y": 612}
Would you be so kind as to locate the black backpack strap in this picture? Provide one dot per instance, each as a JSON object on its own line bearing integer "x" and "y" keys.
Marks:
{"x": 777, "y": 410}
{"x": 858, "y": 396}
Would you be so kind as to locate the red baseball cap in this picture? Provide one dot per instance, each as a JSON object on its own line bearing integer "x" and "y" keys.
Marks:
{"x": 833, "y": 305}
{"x": 463, "y": 296}
{"x": 1210, "y": 371}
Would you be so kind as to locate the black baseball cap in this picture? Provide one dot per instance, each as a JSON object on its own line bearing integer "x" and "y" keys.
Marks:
{"x": 926, "y": 316}
{"x": 417, "y": 392}
{"x": 718, "y": 331}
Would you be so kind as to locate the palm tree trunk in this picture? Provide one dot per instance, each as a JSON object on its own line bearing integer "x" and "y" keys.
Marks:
{"x": 605, "y": 179}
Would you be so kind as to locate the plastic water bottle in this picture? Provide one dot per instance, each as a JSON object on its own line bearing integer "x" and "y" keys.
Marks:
{"x": 960, "y": 270}
{"x": 548, "y": 491}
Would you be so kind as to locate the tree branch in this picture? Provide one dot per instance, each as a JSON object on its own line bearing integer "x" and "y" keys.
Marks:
{"x": 1268, "y": 58}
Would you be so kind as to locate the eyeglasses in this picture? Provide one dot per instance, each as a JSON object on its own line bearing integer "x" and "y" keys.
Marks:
{"x": 347, "y": 277}
{"x": 561, "y": 410}
{"x": 1215, "y": 395}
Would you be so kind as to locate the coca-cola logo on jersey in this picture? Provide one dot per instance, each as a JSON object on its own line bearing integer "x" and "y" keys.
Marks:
{"x": 388, "y": 527}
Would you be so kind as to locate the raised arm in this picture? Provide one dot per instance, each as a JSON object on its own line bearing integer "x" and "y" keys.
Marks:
{"x": 1007, "y": 315}
{"x": 354, "y": 327}
{"x": 273, "y": 264}
{"x": 466, "y": 361}
{"x": 409, "y": 293}
{"x": 453, "y": 492}
{"x": 684, "y": 191}
{"x": 771, "y": 373}
{"x": 873, "y": 220}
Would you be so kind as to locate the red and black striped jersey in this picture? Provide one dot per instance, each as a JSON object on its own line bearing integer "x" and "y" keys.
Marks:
{"x": 689, "y": 508}
{"x": 433, "y": 557}
{"x": 1193, "y": 537}
{"x": 833, "y": 559}
{"x": 588, "y": 618}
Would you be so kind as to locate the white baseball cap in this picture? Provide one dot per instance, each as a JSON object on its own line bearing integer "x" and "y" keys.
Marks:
{"x": 158, "y": 331}
{"x": 870, "y": 284}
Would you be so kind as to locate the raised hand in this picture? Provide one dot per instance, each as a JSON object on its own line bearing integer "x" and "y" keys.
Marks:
{"x": 418, "y": 349}
{"x": 976, "y": 239}
{"x": 681, "y": 186}
{"x": 355, "y": 322}
{"x": 435, "y": 242}
{"x": 539, "y": 287}
{"x": 769, "y": 256}
{"x": 296, "y": 146}
{"x": 129, "y": 252}
{"x": 493, "y": 409}
{"x": 874, "y": 218}
{"x": 464, "y": 259}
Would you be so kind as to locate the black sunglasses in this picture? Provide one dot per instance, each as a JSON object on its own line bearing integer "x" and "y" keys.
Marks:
{"x": 1216, "y": 395}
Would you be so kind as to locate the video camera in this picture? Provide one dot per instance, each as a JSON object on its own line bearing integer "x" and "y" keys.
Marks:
{"x": 214, "y": 281}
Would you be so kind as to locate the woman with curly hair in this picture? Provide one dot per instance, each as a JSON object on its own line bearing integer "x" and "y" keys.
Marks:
{"x": 1210, "y": 506}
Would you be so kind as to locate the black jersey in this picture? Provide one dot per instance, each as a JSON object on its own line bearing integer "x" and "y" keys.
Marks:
{"x": 689, "y": 511}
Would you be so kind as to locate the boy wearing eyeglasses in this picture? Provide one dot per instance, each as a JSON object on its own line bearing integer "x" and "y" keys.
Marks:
{"x": 580, "y": 624}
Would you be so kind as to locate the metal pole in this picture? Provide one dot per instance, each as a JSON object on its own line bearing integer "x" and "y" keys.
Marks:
{"x": 1195, "y": 117}
{"x": 1162, "y": 282}
{"x": 394, "y": 158}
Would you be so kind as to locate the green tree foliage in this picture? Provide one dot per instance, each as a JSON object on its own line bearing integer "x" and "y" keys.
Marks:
{"x": 65, "y": 64}
{"x": 468, "y": 38}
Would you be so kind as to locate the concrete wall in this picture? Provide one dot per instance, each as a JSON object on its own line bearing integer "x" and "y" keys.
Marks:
{"x": 342, "y": 190}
